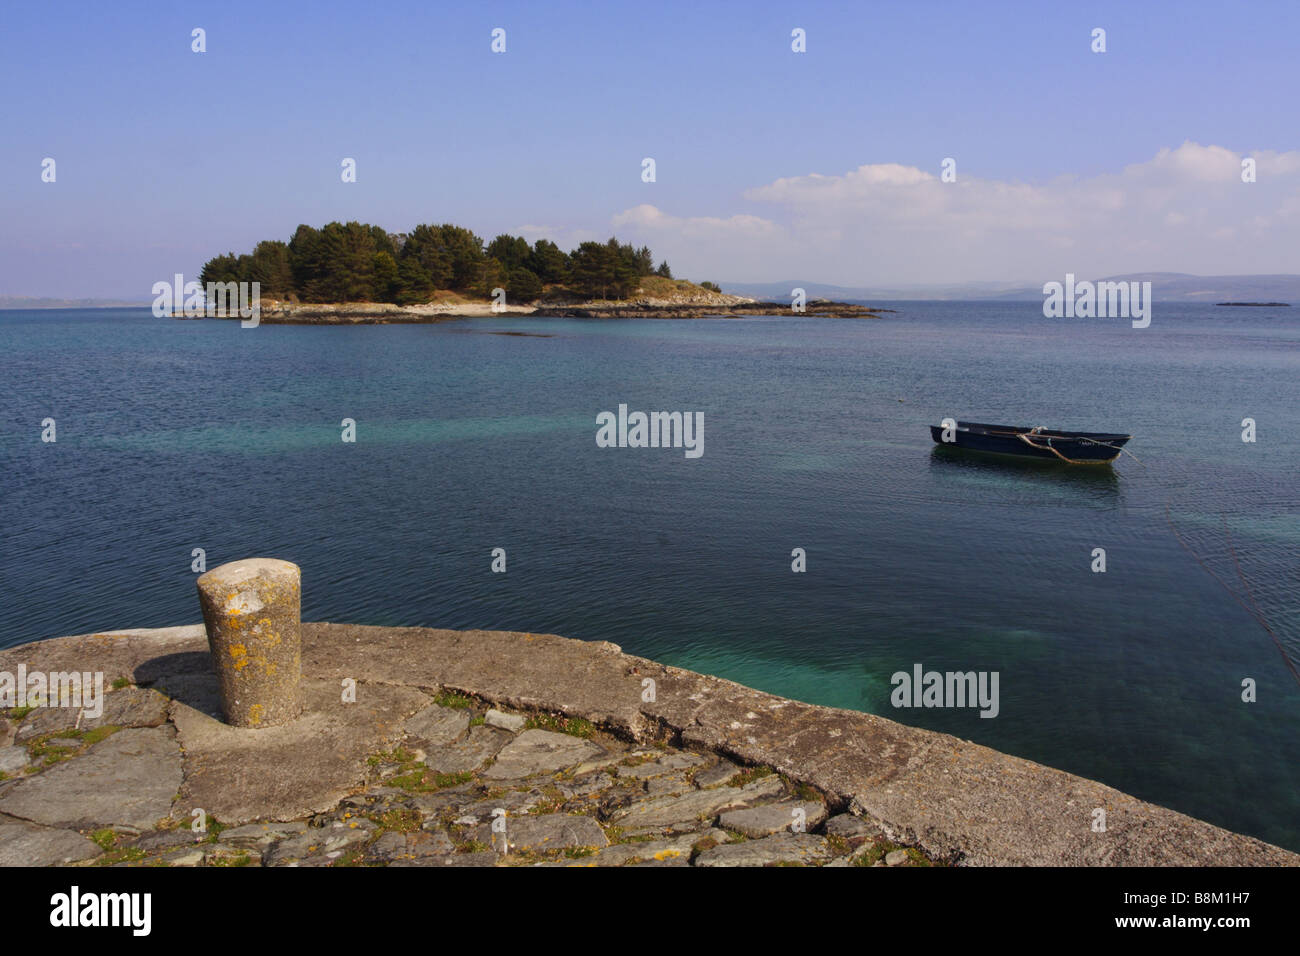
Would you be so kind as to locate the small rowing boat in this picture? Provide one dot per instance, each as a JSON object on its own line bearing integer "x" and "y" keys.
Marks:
{"x": 1075, "y": 448}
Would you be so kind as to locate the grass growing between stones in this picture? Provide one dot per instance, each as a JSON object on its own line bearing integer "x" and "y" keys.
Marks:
{"x": 398, "y": 819}
{"x": 880, "y": 850}
{"x": 46, "y": 753}
{"x": 803, "y": 791}
{"x": 699, "y": 846}
{"x": 107, "y": 840}
{"x": 552, "y": 801}
{"x": 573, "y": 726}
{"x": 839, "y": 846}
{"x": 128, "y": 854}
{"x": 616, "y": 835}
{"x": 214, "y": 828}
{"x": 453, "y": 700}
{"x": 749, "y": 775}
{"x": 121, "y": 682}
{"x": 398, "y": 756}
{"x": 414, "y": 776}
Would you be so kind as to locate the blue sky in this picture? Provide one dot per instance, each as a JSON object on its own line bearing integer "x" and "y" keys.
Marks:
{"x": 166, "y": 157}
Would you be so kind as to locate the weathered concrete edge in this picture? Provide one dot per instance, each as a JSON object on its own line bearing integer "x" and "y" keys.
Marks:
{"x": 959, "y": 801}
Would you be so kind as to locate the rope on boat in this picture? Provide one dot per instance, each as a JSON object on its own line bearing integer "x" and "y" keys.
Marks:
{"x": 1121, "y": 451}
{"x": 1024, "y": 437}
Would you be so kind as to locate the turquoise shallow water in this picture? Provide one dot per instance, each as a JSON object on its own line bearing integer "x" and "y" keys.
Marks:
{"x": 176, "y": 435}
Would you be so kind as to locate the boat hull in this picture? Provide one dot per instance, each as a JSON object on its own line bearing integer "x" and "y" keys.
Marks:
{"x": 1075, "y": 448}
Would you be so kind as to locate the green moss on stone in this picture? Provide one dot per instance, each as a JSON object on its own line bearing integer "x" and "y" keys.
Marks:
{"x": 573, "y": 726}
{"x": 455, "y": 701}
{"x": 749, "y": 775}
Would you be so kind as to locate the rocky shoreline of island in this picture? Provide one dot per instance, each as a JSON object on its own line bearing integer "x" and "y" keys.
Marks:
{"x": 276, "y": 312}
{"x": 818, "y": 309}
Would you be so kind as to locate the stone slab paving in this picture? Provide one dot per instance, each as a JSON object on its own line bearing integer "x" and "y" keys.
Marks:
{"x": 22, "y": 844}
{"x": 128, "y": 780}
{"x": 565, "y": 799}
{"x": 423, "y": 747}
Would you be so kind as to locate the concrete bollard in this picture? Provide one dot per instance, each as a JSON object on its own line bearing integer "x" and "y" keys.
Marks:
{"x": 251, "y": 610}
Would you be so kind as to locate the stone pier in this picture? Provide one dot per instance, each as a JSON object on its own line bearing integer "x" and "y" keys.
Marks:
{"x": 414, "y": 745}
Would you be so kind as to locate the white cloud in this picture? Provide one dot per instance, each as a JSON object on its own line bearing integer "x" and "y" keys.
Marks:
{"x": 649, "y": 217}
{"x": 1185, "y": 209}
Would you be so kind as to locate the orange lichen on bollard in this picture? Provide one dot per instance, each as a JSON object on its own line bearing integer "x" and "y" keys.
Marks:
{"x": 252, "y": 613}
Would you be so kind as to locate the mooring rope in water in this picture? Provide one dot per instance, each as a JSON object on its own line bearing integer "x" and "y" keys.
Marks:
{"x": 1253, "y": 609}
{"x": 1258, "y": 613}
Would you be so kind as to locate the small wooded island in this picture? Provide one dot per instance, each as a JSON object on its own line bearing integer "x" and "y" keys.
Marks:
{"x": 349, "y": 273}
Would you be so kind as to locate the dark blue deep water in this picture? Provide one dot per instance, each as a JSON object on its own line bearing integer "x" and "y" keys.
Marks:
{"x": 174, "y": 435}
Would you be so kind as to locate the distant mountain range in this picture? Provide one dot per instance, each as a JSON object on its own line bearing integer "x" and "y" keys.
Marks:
{"x": 30, "y": 302}
{"x": 1166, "y": 286}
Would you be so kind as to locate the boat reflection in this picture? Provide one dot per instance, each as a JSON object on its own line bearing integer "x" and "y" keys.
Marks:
{"x": 1097, "y": 480}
